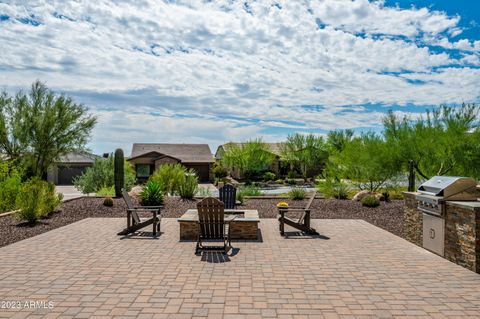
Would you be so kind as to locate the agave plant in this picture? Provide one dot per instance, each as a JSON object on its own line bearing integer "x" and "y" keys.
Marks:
{"x": 151, "y": 194}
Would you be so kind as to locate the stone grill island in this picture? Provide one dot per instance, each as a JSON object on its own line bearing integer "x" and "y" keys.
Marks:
{"x": 457, "y": 230}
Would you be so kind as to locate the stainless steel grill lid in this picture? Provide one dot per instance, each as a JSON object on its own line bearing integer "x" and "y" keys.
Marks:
{"x": 447, "y": 186}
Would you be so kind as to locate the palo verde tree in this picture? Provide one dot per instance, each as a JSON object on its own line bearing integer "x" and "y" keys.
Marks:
{"x": 338, "y": 139}
{"x": 250, "y": 158}
{"x": 367, "y": 161}
{"x": 444, "y": 142}
{"x": 308, "y": 152}
{"x": 41, "y": 126}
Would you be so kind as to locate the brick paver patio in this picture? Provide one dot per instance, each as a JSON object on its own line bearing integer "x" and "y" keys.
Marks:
{"x": 360, "y": 271}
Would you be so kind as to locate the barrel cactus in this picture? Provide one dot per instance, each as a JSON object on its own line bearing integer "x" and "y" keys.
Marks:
{"x": 118, "y": 173}
{"x": 108, "y": 201}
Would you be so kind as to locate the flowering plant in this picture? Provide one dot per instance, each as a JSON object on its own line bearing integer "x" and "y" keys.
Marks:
{"x": 282, "y": 204}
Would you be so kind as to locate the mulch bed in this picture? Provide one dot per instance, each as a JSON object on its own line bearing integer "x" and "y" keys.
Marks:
{"x": 388, "y": 216}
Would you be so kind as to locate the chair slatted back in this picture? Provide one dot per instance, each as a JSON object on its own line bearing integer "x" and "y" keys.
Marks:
{"x": 307, "y": 208}
{"x": 130, "y": 206}
{"x": 228, "y": 195}
{"x": 211, "y": 218}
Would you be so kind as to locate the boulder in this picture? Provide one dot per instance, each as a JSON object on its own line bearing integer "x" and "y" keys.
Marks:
{"x": 232, "y": 181}
{"x": 135, "y": 192}
{"x": 362, "y": 194}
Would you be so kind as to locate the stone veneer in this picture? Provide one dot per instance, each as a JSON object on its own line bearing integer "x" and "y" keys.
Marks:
{"x": 462, "y": 230}
{"x": 241, "y": 228}
{"x": 412, "y": 220}
{"x": 462, "y": 235}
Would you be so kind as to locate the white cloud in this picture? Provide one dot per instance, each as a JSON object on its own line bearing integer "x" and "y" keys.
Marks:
{"x": 225, "y": 70}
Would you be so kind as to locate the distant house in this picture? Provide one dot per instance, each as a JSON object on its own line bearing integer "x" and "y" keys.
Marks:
{"x": 69, "y": 166}
{"x": 274, "y": 148}
{"x": 146, "y": 158}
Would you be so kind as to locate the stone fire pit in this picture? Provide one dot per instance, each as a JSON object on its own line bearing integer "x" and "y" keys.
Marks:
{"x": 243, "y": 225}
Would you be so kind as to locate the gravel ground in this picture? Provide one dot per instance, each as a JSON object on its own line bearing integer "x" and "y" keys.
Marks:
{"x": 388, "y": 216}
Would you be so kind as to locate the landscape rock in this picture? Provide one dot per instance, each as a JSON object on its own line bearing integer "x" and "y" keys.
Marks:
{"x": 362, "y": 194}
{"x": 135, "y": 192}
{"x": 231, "y": 180}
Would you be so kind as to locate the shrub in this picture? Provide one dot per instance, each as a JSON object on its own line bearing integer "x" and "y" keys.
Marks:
{"x": 269, "y": 176}
{"x": 247, "y": 190}
{"x": 10, "y": 185}
{"x": 279, "y": 181}
{"x": 250, "y": 191}
{"x": 101, "y": 175}
{"x": 189, "y": 185}
{"x": 291, "y": 175}
{"x": 169, "y": 177}
{"x": 240, "y": 197}
{"x": 152, "y": 194}
{"x": 36, "y": 200}
{"x": 219, "y": 171}
{"x": 204, "y": 192}
{"x": 297, "y": 193}
{"x": 108, "y": 201}
{"x": 333, "y": 189}
{"x": 221, "y": 180}
{"x": 106, "y": 191}
{"x": 290, "y": 181}
{"x": 370, "y": 201}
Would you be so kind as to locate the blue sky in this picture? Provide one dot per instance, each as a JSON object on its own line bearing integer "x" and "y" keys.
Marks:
{"x": 219, "y": 71}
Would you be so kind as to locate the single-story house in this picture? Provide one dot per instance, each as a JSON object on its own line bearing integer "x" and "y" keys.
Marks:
{"x": 274, "y": 148}
{"x": 69, "y": 166}
{"x": 146, "y": 158}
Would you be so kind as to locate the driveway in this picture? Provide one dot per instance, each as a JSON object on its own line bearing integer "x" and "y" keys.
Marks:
{"x": 69, "y": 192}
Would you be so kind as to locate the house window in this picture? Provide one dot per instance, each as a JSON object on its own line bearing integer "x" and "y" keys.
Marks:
{"x": 143, "y": 170}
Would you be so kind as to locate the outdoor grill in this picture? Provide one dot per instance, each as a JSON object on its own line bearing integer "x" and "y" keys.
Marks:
{"x": 431, "y": 200}
{"x": 439, "y": 189}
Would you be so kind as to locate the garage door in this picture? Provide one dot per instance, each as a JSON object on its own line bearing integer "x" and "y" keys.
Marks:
{"x": 202, "y": 170}
{"x": 66, "y": 174}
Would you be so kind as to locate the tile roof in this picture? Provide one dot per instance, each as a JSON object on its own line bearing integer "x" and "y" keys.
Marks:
{"x": 82, "y": 157}
{"x": 187, "y": 153}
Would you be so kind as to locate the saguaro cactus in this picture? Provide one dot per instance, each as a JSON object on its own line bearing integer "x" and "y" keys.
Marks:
{"x": 118, "y": 172}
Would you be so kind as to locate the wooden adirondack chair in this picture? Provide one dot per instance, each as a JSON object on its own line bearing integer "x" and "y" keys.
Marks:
{"x": 134, "y": 222}
{"x": 302, "y": 223}
{"x": 212, "y": 225}
{"x": 228, "y": 195}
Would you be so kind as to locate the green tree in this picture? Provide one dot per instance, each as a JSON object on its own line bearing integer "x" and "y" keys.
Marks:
{"x": 444, "y": 141}
{"x": 41, "y": 126}
{"x": 338, "y": 139}
{"x": 250, "y": 158}
{"x": 13, "y": 115}
{"x": 308, "y": 152}
{"x": 367, "y": 161}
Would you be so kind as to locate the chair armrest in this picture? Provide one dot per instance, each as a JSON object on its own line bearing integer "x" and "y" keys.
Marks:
{"x": 292, "y": 210}
{"x": 143, "y": 209}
